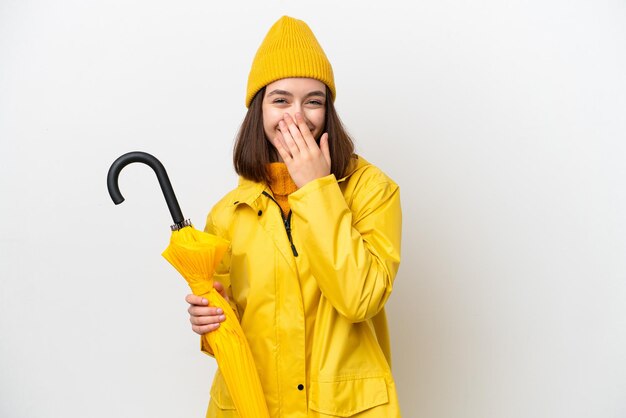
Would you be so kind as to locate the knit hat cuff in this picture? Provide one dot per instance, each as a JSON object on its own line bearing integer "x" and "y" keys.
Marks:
{"x": 288, "y": 64}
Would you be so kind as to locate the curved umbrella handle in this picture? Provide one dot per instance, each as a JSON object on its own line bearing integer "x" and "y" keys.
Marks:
{"x": 164, "y": 181}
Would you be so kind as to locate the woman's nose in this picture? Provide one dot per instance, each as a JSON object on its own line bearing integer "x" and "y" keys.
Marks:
{"x": 296, "y": 108}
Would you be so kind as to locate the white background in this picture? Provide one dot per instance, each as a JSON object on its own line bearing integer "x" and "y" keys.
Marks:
{"x": 504, "y": 122}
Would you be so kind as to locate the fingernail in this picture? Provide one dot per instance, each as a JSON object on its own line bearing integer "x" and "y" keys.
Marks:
{"x": 205, "y": 302}
{"x": 222, "y": 317}
{"x": 220, "y": 311}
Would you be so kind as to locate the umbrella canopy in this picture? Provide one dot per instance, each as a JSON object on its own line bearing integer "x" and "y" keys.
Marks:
{"x": 195, "y": 255}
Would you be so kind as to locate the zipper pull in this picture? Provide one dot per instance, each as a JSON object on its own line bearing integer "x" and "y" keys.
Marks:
{"x": 287, "y": 222}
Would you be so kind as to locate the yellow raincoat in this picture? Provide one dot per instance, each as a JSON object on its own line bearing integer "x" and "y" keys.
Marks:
{"x": 315, "y": 321}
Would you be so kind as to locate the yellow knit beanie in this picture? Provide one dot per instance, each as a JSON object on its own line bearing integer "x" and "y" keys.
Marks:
{"x": 289, "y": 50}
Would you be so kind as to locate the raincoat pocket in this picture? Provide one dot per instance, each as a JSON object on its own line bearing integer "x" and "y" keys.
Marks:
{"x": 220, "y": 395}
{"x": 349, "y": 396}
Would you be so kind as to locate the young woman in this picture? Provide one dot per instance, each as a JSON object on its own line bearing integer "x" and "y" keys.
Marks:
{"x": 315, "y": 245}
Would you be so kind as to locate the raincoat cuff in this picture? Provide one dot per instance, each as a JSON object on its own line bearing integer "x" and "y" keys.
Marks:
{"x": 312, "y": 186}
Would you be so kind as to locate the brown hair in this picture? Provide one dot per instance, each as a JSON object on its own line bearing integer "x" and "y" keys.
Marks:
{"x": 253, "y": 151}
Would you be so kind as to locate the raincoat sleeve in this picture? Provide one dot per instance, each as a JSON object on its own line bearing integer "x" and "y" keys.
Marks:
{"x": 353, "y": 248}
{"x": 222, "y": 275}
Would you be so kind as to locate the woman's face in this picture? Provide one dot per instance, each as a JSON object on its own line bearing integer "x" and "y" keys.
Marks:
{"x": 294, "y": 95}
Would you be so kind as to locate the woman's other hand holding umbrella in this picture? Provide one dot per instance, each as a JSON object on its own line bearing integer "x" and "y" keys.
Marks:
{"x": 205, "y": 318}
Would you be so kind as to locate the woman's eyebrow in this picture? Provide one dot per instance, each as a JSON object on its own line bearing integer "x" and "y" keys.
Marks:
{"x": 316, "y": 93}
{"x": 280, "y": 92}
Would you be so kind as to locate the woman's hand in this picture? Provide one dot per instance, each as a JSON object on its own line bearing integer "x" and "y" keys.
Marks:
{"x": 305, "y": 160}
{"x": 204, "y": 318}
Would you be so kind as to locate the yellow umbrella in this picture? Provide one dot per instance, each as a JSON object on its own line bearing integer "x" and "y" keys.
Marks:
{"x": 195, "y": 255}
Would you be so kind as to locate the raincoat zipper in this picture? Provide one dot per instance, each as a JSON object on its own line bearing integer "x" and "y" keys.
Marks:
{"x": 286, "y": 222}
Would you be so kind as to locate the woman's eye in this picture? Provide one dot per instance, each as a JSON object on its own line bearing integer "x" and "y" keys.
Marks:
{"x": 279, "y": 100}
{"x": 315, "y": 102}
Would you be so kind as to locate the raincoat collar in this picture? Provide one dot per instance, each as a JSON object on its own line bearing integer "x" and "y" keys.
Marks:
{"x": 249, "y": 191}
{"x": 356, "y": 164}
